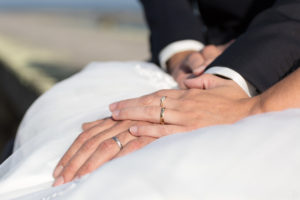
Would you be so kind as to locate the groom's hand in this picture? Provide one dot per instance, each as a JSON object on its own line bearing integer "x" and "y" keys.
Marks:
{"x": 182, "y": 65}
{"x": 95, "y": 146}
{"x": 189, "y": 64}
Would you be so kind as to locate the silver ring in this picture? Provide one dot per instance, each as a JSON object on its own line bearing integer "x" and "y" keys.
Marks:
{"x": 118, "y": 142}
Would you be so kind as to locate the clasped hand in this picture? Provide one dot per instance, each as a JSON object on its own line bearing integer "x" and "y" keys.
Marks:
{"x": 185, "y": 110}
{"x": 136, "y": 123}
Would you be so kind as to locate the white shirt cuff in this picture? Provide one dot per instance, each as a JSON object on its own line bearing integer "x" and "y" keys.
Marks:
{"x": 233, "y": 75}
{"x": 176, "y": 47}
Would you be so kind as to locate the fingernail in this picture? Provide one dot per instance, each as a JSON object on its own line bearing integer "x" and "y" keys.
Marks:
{"x": 199, "y": 69}
{"x": 57, "y": 171}
{"x": 133, "y": 130}
{"x": 59, "y": 181}
{"x": 113, "y": 106}
{"x": 116, "y": 113}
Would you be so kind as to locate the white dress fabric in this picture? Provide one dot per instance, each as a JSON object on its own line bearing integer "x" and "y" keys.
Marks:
{"x": 257, "y": 158}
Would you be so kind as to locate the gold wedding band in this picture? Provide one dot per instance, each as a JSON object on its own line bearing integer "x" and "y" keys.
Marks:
{"x": 162, "y": 101}
{"x": 162, "y": 113}
{"x": 118, "y": 142}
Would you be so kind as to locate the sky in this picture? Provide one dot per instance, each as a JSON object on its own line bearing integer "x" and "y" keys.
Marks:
{"x": 124, "y": 4}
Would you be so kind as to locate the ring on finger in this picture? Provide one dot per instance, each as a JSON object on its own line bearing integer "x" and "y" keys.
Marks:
{"x": 118, "y": 142}
{"x": 162, "y": 113}
{"x": 162, "y": 101}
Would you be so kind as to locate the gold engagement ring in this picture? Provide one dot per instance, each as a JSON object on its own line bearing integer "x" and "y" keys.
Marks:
{"x": 162, "y": 113}
{"x": 162, "y": 102}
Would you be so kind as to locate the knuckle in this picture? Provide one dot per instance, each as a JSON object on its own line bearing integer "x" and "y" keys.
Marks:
{"x": 194, "y": 55}
{"x": 86, "y": 168}
{"x": 147, "y": 100}
{"x": 64, "y": 160}
{"x": 124, "y": 113}
{"x": 160, "y": 92}
{"x": 85, "y": 126}
{"x": 136, "y": 144}
{"x": 88, "y": 146}
{"x": 69, "y": 171}
{"x": 85, "y": 148}
{"x": 106, "y": 146}
{"x": 82, "y": 137}
{"x": 85, "y": 135}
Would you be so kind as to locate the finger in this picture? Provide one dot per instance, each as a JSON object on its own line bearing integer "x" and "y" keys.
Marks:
{"x": 150, "y": 114}
{"x": 225, "y": 46}
{"x": 211, "y": 52}
{"x": 71, "y": 167}
{"x": 197, "y": 82}
{"x": 200, "y": 70}
{"x": 105, "y": 127}
{"x": 88, "y": 125}
{"x": 147, "y": 100}
{"x": 194, "y": 61}
{"x": 208, "y": 61}
{"x": 181, "y": 76}
{"x": 105, "y": 152}
{"x": 156, "y": 131}
{"x": 172, "y": 93}
{"x": 206, "y": 81}
{"x": 134, "y": 145}
{"x": 101, "y": 152}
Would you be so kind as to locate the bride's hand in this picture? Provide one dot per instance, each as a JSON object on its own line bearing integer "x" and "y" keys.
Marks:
{"x": 185, "y": 110}
{"x": 95, "y": 146}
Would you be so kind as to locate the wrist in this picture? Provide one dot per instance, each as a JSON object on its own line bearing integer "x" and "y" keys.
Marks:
{"x": 233, "y": 75}
{"x": 256, "y": 105}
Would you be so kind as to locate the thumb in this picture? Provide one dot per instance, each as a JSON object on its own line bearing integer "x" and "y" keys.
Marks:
{"x": 196, "y": 83}
{"x": 205, "y": 81}
{"x": 194, "y": 61}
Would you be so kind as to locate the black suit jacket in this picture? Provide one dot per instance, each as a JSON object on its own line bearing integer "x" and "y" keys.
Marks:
{"x": 267, "y": 33}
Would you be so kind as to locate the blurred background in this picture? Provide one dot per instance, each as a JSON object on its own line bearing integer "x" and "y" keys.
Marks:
{"x": 45, "y": 41}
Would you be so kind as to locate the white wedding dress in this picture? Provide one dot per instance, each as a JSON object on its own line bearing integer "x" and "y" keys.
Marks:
{"x": 257, "y": 158}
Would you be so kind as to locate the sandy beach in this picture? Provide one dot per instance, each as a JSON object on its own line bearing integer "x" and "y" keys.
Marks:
{"x": 40, "y": 48}
{"x": 77, "y": 38}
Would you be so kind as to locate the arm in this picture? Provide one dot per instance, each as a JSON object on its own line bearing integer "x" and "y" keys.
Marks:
{"x": 283, "y": 95}
{"x": 186, "y": 110}
{"x": 171, "y": 21}
{"x": 270, "y": 48}
{"x": 177, "y": 36}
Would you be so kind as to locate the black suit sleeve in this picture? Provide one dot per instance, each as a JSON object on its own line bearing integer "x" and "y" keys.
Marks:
{"x": 269, "y": 49}
{"x": 170, "y": 21}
